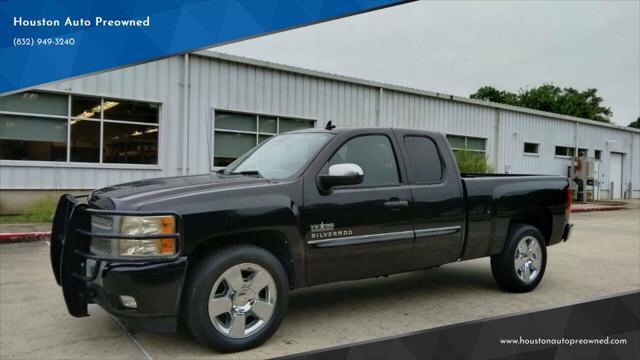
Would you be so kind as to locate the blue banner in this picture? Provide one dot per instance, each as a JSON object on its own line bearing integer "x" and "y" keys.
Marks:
{"x": 43, "y": 41}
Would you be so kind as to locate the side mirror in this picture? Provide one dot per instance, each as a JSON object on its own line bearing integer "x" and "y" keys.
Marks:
{"x": 341, "y": 174}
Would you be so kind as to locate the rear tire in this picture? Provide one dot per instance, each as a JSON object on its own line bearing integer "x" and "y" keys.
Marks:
{"x": 521, "y": 264}
{"x": 236, "y": 298}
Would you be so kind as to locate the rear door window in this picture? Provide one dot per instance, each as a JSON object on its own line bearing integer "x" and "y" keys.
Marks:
{"x": 424, "y": 162}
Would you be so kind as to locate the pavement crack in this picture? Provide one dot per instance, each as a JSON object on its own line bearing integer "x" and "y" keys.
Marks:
{"x": 132, "y": 338}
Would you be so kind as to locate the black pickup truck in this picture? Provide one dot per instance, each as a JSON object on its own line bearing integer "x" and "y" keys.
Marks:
{"x": 222, "y": 251}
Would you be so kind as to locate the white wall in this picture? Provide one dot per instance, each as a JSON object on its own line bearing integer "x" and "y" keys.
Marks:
{"x": 230, "y": 85}
{"x": 158, "y": 81}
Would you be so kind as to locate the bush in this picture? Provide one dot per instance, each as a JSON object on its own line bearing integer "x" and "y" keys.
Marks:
{"x": 473, "y": 162}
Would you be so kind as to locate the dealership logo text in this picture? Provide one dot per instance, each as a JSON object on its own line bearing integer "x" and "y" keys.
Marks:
{"x": 322, "y": 230}
{"x": 19, "y": 21}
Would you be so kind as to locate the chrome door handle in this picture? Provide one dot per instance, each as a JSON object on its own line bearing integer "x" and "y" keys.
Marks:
{"x": 396, "y": 203}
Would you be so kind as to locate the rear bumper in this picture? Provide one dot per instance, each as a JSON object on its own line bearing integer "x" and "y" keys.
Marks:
{"x": 155, "y": 283}
{"x": 567, "y": 232}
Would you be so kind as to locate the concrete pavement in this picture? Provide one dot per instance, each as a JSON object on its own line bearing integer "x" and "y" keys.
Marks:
{"x": 602, "y": 257}
{"x": 25, "y": 228}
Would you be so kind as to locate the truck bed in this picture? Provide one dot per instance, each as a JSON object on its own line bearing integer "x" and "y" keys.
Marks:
{"x": 494, "y": 200}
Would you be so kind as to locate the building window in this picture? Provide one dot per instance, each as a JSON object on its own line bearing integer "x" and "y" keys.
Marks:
{"x": 236, "y": 133}
{"x": 565, "y": 151}
{"x": 583, "y": 152}
{"x": 469, "y": 143}
{"x": 33, "y": 126}
{"x": 531, "y": 148}
{"x": 40, "y": 126}
{"x": 598, "y": 154}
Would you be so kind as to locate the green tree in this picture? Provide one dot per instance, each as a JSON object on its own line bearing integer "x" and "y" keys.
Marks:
{"x": 548, "y": 97}
{"x": 489, "y": 93}
{"x": 635, "y": 124}
{"x": 472, "y": 162}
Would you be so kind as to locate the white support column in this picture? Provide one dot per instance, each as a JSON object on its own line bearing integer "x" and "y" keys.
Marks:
{"x": 379, "y": 107}
{"x": 498, "y": 144}
{"x": 185, "y": 116}
{"x": 575, "y": 140}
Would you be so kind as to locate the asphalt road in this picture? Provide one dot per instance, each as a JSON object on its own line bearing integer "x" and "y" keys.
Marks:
{"x": 603, "y": 257}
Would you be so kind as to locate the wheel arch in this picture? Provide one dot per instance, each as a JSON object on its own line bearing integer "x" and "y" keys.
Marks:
{"x": 274, "y": 242}
{"x": 540, "y": 218}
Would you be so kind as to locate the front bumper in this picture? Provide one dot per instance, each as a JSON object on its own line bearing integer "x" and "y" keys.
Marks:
{"x": 155, "y": 282}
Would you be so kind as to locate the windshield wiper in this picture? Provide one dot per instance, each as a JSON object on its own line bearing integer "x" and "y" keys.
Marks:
{"x": 255, "y": 173}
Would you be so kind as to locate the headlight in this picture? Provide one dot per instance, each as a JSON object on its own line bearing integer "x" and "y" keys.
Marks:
{"x": 147, "y": 225}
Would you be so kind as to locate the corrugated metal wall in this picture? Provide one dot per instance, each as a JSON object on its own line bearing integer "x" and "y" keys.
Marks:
{"x": 226, "y": 85}
{"x": 158, "y": 81}
{"x": 229, "y": 85}
{"x": 518, "y": 128}
{"x": 420, "y": 112}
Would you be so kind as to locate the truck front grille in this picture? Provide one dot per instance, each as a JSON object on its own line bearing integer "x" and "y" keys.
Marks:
{"x": 101, "y": 224}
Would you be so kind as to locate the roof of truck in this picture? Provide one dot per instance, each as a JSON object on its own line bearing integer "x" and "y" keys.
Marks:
{"x": 340, "y": 130}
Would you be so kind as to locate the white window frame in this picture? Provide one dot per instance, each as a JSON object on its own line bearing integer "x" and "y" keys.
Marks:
{"x": 90, "y": 165}
{"x": 595, "y": 151}
{"x": 466, "y": 141}
{"x": 257, "y": 132}
{"x": 586, "y": 150}
{"x": 537, "y": 144}
{"x": 564, "y": 156}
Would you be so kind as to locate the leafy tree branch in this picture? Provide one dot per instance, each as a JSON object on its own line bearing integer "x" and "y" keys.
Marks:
{"x": 548, "y": 97}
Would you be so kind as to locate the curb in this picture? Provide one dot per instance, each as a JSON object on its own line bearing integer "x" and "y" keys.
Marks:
{"x": 602, "y": 208}
{"x": 7, "y": 238}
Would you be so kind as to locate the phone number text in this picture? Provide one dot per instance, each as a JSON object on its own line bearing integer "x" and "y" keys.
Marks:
{"x": 54, "y": 41}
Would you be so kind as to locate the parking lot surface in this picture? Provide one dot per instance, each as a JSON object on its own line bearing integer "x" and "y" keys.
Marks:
{"x": 601, "y": 258}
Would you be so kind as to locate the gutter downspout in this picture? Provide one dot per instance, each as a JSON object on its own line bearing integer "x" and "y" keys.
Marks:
{"x": 379, "y": 107}
{"x": 631, "y": 168}
{"x": 185, "y": 116}
{"x": 575, "y": 137}
{"x": 498, "y": 144}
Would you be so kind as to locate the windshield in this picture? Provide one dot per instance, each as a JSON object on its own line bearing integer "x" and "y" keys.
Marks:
{"x": 281, "y": 156}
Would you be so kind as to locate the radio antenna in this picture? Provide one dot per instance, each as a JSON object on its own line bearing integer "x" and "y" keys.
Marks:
{"x": 329, "y": 126}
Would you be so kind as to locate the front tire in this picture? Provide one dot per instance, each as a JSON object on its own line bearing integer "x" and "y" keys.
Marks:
{"x": 521, "y": 265}
{"x": 236, "y": 298}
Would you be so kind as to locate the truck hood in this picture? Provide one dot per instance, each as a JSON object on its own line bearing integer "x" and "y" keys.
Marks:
{"x": 133, "y": 195}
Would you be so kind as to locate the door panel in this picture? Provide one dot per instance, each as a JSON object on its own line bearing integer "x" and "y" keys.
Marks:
{"x": 615, "y": 174}
{"x": 353, "y": 234}
{"x": 359, "y": 231}
{"x": 438, "y": 209}
{"x": 438, "y": 218}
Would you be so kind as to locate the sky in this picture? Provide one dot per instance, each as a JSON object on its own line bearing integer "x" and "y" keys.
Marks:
{"x": 457, "y": 47}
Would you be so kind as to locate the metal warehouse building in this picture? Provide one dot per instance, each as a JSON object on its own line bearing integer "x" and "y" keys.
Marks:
{"x": 188, "y": 114}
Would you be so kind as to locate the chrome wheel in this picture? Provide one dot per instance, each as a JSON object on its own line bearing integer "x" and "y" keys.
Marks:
{"x": 528, "y": 259}
{"x": 242, "y": 300}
